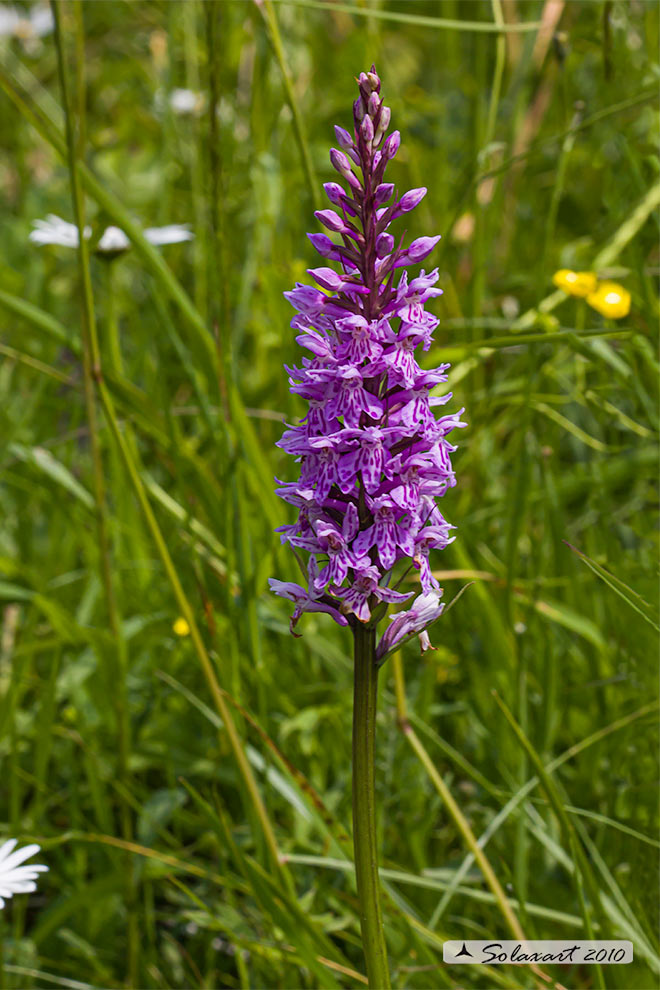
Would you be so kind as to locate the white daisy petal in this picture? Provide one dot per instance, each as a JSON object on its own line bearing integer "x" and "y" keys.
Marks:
{"x": 20, "y": 887}
{"x": 185, "y": 101}
{"x": 42, "y": 20}
{"x": 9, "y": 21}
{"x": 16, "y": 858}
{"x": 113, "y": 239}
{"x": 6, "y": 848}
{"x": 172, "y": 234}
{"x": 54, "y": 230}
{"x": 14, "y": 878}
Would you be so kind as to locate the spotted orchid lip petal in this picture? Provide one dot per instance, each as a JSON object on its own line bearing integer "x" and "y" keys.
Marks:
{"x": 373, "y": 456}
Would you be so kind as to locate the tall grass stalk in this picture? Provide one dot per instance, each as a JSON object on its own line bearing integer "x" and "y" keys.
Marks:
{"x": 93, "y": 373}
{"x": 448, "y": 800}
{"x": 115, "y": 673}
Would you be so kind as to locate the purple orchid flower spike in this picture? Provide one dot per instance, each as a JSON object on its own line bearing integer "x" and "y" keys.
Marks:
{"x": 373, "y": 455}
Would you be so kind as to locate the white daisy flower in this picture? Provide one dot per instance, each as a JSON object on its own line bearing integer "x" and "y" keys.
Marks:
{"x": 54, "y": 230}
{"x": 35, "y": 23}
{"x": 182, "y": 102}
{"x": 186, "y": 101}
{"x": 14, "y": 878}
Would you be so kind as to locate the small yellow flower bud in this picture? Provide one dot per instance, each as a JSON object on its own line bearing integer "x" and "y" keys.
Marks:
{"x": 610, "y": 299}
{"x": 575, "y": 283}
{"x": 181, "y": 627}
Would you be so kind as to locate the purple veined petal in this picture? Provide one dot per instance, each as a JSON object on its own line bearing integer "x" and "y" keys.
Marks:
{"x": 356, "y": 597}
{"x": 356, "y": 602}
{"x": 330, "y": 219}
{"x": 365, "y": 85}
{"x": 422, "y": 283}
{"x": 339, "y": 161}
{"x": 428, "y": 582}
{"x": 384, "y": 244}
{"x": 334, "y": 572}
{"x": 351, "y": 522}
{"x": 306, "y": 543}
{"x": 334, "y": 192}
{"x": 371, "y": 464}
{"x": 425, "y": 610}
{"x": 391, "y": 145}
{"x": 371, "y": 404}
{"x": 367, "y": 129}
{"x": 358, "y": 343}
{"x": 440, "y": 400}
{"x": 317, "y": 606}
{"x": 371, "y": 458}
{"x": 319, "y": 345}
{"x": 286, "y": 589}
{"x": 389, "y": 595}
{"x": 385, "y": 544}
{"x": 373, "y": 105}
{"x": 364, "y": 541}
{"x": 327, "y": 278}
{"x": 325, "y": 247}
{"x": 383, "y": 124}
{"x": 411, "y": 199}
{"x": 344, "y": 139}
{"x": 306, "y": 298}
{"x": 325, "y": 473}
{"x": 420, "y": 249}
{"x": 294, "y": 493}
{"x": 347, "y": 471}
{"x": 383, "y": 193}
{"x": 331, "y": 441}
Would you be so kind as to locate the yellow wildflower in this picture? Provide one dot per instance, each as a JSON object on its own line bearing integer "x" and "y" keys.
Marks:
{"x": 181, "y": 627}
{"x": 575, "y": 283}
{"x": 610, "y": 299}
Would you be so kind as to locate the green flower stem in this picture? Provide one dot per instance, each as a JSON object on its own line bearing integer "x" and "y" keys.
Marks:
{"x": 112, "y": 319}
{"x": 115, "y": 673}
{"x": 364, "y": 807}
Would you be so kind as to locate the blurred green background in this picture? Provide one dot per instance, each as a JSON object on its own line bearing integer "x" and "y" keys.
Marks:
{"x": 538, "y": 144}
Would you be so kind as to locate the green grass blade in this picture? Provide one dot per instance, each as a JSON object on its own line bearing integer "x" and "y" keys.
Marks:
{"x": 629, "y": 596}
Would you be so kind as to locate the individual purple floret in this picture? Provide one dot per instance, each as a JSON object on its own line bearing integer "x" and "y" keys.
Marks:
{"x": 373, "y": 456}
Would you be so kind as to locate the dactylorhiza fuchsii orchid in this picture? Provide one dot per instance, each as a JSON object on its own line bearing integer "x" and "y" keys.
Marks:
{"x": 374, "y": 458}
